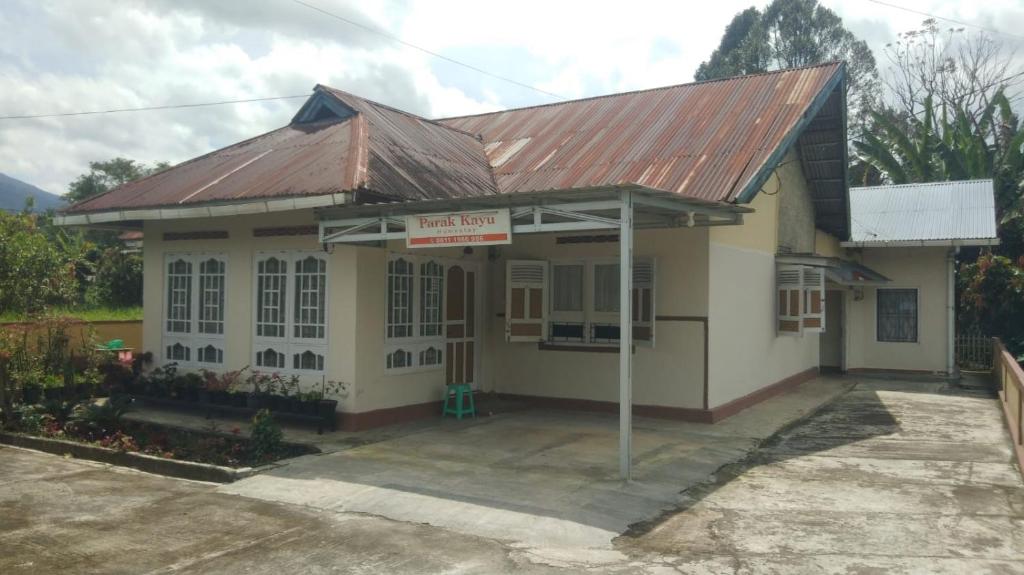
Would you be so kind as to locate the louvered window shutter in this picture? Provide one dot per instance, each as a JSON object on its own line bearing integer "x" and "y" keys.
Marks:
{"x": 526, "y": 300}
{"x": 814, "y": 299}
{"x": 789, "y": 288}
{"x": 643, "y": 302}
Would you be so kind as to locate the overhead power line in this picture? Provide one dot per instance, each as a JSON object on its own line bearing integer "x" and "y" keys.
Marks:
{"x": 394, "y": 38}
{"x": 271, "y": 98}
{"x": 149, "y": 108}
{"x": 960, "y": 22}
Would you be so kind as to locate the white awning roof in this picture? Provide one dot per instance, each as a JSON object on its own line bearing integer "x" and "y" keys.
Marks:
{"x": 940, "y": 213}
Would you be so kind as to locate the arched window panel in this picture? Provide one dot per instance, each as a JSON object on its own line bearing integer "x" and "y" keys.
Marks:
{"x": 178, "y": 352}
{"x": 308, "y": 361}
{"x": 310, "y": 298}
{"x": 270, "y": 358}
{"x": 431, "y": 356}
{"x": 179, "y": 296}
{"x": 271, "y": 293}
{"x": 431, "y": 290}
{"x": 211, "y": 296}
{"x": 400, "y": 298}
{"x": 399, "y": 359}
{"x": 209, "y": 354}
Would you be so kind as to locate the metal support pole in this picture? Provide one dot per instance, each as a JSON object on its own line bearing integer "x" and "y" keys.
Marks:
{"x": 626, "y": 336}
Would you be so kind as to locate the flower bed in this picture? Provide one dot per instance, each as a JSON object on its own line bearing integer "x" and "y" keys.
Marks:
{"x": 238, "y": 393}
{"x": 102, "y": 425}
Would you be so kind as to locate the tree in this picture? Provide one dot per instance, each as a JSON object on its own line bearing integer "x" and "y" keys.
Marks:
{"x": 951, "y": 68}
{"x": 34, "y": 273}
{"x": 118, "y": 279}
{"x": 791, "y": 33}
{"x": 946, "y": 145}
{"x": 992, "y": 299}
{"x": 105, "y": 176}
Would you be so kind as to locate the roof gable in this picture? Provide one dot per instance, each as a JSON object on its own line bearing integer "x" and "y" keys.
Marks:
{"x": 715, "y": 141}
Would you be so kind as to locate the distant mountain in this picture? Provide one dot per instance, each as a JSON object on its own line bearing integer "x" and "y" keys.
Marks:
{"x": 13, "y": 193}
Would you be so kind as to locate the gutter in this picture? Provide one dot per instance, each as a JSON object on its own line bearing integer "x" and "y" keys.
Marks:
{"x": 921, "y": 243}
{"x": 951, "y": 312}
{"x": 209, "y": 211}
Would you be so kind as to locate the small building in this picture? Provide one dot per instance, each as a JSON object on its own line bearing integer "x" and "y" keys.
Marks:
{"x": 367, "y": 245}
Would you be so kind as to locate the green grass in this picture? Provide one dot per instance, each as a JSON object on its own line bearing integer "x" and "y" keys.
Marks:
{"x": 85, "y": 314}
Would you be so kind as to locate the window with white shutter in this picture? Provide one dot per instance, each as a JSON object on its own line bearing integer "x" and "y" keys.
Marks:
{"x": 291, "y": 312}
{"x": 414, "y": 313}
{"x": 526, "y": 300}
{"x": 814, "y": 299}
{"x": 789, "y": 290}
{"x": 195, "y": 300}
{"x": 643, "y": 301}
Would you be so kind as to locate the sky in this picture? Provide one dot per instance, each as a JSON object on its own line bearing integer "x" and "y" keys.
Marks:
{"x": 61, "y": 56}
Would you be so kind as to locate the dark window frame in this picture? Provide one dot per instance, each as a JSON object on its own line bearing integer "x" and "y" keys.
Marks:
{"x": 906, "y": 328}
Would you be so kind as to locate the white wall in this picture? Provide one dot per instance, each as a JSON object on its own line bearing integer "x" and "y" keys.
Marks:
{"x": 376, "y": 387}
{"x": 746, "y": 352}
{"x": 921, "y": 268}
{"x": 240, "y": 249}
{"x": 669, "y": 374}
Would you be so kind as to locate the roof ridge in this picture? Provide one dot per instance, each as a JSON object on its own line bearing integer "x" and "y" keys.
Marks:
{"x": 192, "y": 161}
{"x": 920, "y": 184}
{"x": 655, "y": 89}
{"x": 398, "y": 110}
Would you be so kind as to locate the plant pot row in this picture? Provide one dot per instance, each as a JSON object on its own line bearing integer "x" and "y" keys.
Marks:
{"x": 322, "y": 408}
{"x": 32, "y": 395}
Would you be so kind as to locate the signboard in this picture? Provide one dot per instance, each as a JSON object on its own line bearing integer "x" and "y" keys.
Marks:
{"x": 481, "y": 228}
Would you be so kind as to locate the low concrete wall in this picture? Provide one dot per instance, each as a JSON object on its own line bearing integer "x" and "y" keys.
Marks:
{"x": 129, "y": 331}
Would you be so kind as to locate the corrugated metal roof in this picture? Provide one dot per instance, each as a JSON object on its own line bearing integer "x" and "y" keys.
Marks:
{"x": 704, "y": 140}
{"x": 376, "y": 147}
{"x": 709, "y": 140}
{"x": 962, "y": 210}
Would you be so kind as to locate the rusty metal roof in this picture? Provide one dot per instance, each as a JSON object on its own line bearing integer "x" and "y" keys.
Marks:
{"x": 363, "y": 145}
{"x": 714, "y": 141}
{"x": 705, "y": 140}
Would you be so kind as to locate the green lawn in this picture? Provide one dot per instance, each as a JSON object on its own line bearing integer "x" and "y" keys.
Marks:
{"x": 85, "y": 314}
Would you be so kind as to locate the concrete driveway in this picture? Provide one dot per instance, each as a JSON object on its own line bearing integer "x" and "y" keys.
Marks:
{"x": 900, "y": 477}
{"x": 890, "y": 477}
{"x": 540, "y": 479}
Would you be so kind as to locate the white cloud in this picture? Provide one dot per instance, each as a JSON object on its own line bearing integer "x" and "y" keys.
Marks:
{"x": 64, "y": 55}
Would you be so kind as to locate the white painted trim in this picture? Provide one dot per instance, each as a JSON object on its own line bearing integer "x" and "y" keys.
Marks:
{"x": 193, "y": 339}
{"x": 289, "y": 344}
{"x": 921, "y": 243}
{"x": 211, "y": 211}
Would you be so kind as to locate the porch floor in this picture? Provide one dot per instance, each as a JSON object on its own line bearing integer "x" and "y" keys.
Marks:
{"x": 542, "y": 478}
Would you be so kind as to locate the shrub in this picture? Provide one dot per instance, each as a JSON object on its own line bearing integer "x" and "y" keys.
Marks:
{"x": 100, "y": 417}
{"x": 118, "y": 281}
{"x": 266, "y": 437}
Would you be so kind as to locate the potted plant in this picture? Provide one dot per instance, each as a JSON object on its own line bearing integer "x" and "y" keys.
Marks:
{"x": 216, "y": 388}
{"x": 327, "y": 402}
{"x": 31, "y": 386}
{"x": 53, "y": 387}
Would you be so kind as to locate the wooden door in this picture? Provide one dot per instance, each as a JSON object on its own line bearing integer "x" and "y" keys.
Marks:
{"x": 460, "y": 324}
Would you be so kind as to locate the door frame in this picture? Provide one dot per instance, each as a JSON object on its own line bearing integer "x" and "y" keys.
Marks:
{"x": 843, "y": 322}
{"x": 478, "y": 313}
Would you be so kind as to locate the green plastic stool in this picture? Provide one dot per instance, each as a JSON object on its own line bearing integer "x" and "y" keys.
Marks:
{"x": 459, "y": 392}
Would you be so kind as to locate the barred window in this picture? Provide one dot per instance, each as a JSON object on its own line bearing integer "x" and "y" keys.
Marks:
{"x": 897, "y": 315}
{"x": 400, "y": 298}
{"x": 179, "y": 296}
{"x": 211, "y": 296}
{"x": 431, "y": 290}
{"x": 271, "y": 284}
{"x": 310, "y": 298}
